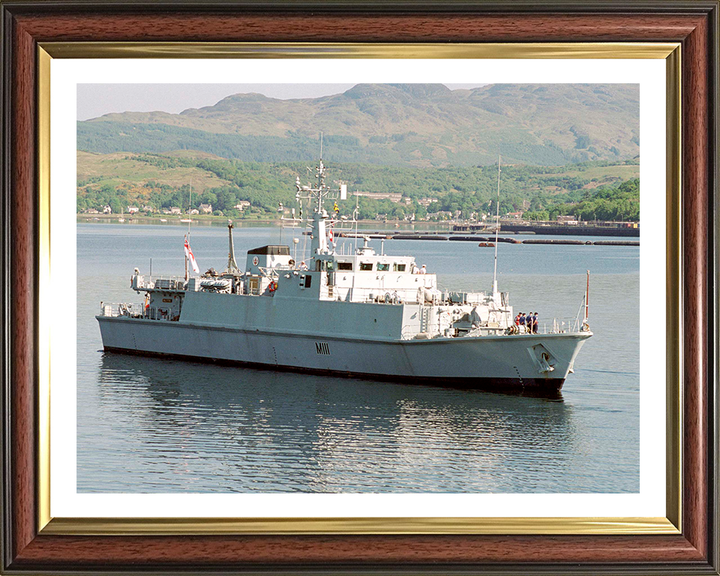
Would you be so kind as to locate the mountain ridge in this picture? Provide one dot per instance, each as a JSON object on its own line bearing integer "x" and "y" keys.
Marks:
{"x": 397, "y": 124}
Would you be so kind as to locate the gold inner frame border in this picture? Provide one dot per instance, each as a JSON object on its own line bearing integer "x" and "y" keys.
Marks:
{"x": 671, "y": 524}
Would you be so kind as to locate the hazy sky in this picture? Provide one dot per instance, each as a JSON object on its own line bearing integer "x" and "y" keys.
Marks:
{"x": 94, "y": 100}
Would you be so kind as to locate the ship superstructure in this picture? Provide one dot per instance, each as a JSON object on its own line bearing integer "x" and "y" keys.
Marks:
{"x": 357, "y": 314}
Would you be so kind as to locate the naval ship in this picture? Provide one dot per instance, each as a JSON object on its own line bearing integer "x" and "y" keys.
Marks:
{"x": 360, "y": 314}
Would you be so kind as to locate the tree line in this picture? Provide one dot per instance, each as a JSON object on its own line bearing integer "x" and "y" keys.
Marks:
{"x": 540, "y": 192}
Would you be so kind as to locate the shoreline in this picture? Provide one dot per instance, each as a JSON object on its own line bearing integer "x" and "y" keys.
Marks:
{"x": 388, "y": 229}
{"x": 371, "y": 229}
{"x": 222, "y": 221}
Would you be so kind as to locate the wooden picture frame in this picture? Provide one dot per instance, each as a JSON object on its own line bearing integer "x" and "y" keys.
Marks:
{"x": 31, "y": 545}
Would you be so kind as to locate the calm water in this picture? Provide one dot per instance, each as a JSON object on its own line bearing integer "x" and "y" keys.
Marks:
{"x": 150, "y": 425}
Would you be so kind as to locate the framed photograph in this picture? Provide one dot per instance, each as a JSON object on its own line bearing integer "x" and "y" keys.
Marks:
{"x": 322, "y": 210}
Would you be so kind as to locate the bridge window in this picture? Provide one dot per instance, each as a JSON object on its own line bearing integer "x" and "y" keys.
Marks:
{"x": 366, "y": 266}
{"x": 381, "y": 267}
{"x": 399, "y": 267}
{"x": 344, "y": 265}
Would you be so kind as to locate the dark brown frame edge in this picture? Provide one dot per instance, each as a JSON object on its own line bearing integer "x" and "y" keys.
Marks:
{"x": 693, "y": 23}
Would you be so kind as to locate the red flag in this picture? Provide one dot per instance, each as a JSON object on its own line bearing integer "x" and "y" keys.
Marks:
{"x": 189, "y": 255}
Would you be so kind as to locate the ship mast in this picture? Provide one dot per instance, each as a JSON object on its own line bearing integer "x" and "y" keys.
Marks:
{"x": 497, "y": 228}
{"x": 587, "y": 297}
{"x": 187, "y": 271}
{"x": 319, "y": 243}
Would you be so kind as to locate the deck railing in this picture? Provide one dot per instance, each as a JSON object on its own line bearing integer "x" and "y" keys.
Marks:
{"x": 122, "y": 309}
{"x": 141, "y": 282}
{"x": 552, "y": 326}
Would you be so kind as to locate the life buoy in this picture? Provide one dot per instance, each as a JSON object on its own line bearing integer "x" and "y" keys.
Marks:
{"x": 273, "y": 286}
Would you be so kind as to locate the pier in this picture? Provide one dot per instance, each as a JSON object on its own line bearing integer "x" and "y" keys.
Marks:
{"x": 623, "y": 229}
{"x": 484, "y": 240}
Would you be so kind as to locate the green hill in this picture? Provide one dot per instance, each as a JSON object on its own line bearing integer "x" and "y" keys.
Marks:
{"x": 421, "y": 125}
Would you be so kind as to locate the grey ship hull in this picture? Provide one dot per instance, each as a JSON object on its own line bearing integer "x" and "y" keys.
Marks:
{"x": 498, "y": 363}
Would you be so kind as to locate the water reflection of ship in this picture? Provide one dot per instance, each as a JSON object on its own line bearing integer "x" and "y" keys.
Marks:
{"x": 270, "y": 431}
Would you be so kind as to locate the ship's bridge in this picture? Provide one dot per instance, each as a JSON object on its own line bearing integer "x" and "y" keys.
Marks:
{"x": 366, "y": 276}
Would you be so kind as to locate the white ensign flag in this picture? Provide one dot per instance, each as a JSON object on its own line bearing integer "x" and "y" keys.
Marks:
{"x": 189, "y": 255}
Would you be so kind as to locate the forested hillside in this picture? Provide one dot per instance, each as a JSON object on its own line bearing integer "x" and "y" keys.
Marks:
{"x": 600, "y": 190}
